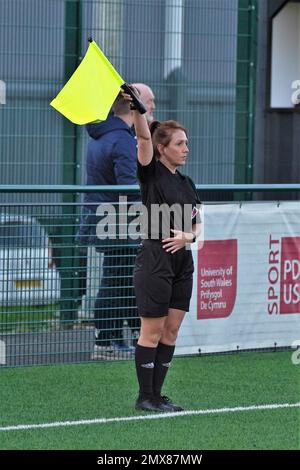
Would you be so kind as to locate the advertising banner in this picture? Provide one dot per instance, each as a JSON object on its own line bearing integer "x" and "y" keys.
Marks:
{"x": 246, "y": 290}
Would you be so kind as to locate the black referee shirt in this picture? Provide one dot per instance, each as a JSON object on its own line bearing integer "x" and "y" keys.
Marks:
{"x": 161, "y": 190}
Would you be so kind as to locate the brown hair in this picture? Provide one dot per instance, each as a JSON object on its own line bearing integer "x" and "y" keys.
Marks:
{"x": 121, "y": 106}
{"x": 162, "y": 133}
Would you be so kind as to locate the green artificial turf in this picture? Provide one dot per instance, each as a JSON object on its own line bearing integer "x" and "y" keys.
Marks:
{"x": 102, "y": 390}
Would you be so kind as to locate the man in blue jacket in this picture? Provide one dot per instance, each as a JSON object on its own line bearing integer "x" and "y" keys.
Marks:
{"x": 111, "y": 160}
{"x": 111, "y": 155}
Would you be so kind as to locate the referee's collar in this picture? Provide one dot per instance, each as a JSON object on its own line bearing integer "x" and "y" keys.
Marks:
{"x": 176, "y": 173}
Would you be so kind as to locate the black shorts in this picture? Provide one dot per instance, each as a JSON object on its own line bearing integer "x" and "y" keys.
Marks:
{"x": 162, "y": 280}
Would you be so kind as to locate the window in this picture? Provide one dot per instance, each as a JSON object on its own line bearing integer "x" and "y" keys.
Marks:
{"x": 285, "y": 57}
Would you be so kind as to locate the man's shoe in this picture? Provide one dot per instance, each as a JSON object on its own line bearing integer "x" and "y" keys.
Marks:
{"x": 109, "y": 348}
{"x": 103, "y": 352}
{"x": 124, "y": 350}
{"x": 146, "y": 404}
{"x": 165, "y": 404}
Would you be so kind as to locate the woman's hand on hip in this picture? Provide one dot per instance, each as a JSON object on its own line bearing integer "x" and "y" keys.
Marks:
{"x": 177, "y": 242}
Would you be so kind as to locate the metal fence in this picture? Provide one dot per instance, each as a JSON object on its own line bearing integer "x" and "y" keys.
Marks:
{"x": 57, "y": 284}
{"x": 56, "y": 287}
{"x": 197, "y": 55}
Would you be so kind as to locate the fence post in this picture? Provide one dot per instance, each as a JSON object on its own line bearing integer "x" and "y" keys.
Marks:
{"x": 70, "y": 138}
{"x": 245, "y": 91}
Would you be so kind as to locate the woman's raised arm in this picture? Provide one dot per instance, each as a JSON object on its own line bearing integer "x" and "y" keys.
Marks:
{"x": 142, "y": 131}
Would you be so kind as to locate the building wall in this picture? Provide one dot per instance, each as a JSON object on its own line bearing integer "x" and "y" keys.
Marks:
{"x": 195, "y": 83}
{"x": 277, "y": 131}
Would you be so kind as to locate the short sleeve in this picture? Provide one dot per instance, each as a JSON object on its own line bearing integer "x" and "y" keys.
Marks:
{"x": 194, "y": 189}
{"x": 196, "y": 217}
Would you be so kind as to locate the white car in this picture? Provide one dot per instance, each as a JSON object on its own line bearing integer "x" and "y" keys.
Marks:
{"x": 28, "y": 275}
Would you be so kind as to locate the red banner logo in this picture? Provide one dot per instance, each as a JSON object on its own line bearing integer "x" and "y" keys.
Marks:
{"x": 290, "y": 275}
{"x": 217, "y": 279}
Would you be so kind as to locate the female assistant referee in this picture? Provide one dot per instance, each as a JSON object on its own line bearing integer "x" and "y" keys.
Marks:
{"x": 163, "y": 274}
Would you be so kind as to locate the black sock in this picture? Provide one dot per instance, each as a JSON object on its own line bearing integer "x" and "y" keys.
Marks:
{"x": 164, "y": 354}
{"x": 144, "y": 363}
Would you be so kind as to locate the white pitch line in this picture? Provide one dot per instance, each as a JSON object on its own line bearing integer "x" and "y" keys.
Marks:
{"x": 238, "y": 409}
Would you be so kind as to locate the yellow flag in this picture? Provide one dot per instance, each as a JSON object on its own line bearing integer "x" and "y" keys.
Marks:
{"x": 91, "y": 90}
